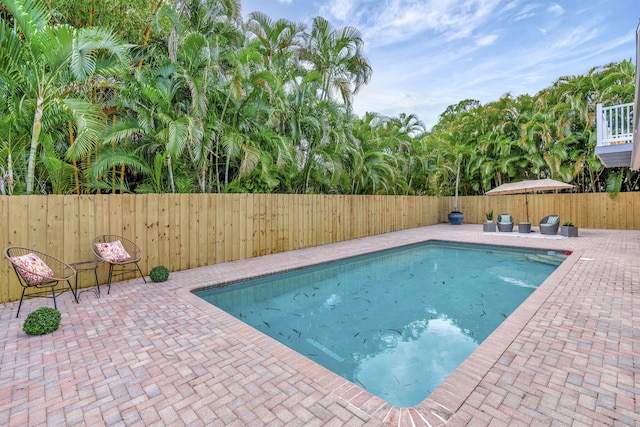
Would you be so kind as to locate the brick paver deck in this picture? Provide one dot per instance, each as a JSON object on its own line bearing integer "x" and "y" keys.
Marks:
{"x": 154, "y": 354}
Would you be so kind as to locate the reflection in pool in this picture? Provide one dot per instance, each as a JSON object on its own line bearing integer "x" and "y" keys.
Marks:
{"x": 396, "y": 322}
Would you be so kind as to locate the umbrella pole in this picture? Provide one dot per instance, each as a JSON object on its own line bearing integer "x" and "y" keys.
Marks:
{"x": 526, "y": 202}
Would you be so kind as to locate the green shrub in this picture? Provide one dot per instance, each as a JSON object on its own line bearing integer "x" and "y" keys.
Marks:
{"x": 159, "y": 274}
{"x": 42, "y": 321}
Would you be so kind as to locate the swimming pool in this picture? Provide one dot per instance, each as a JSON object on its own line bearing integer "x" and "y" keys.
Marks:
{"x": 396, "y": 322}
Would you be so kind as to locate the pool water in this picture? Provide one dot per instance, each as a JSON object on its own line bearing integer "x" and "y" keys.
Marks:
{"x": 396, "y": 322}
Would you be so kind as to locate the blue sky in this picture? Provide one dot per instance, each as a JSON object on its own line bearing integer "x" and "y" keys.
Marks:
{"x": 429, "y": 54}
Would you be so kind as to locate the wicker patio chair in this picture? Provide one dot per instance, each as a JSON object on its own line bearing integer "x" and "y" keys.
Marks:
{"x": 549, "y": 224}
{"x": 120, "y": 253}
{"x": 38, "y": 271}
{"x": 505, "y": 222}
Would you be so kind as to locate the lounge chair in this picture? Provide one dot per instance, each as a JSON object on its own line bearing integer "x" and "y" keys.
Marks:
{"x": 505, "y": 222}
{"x": 38, "y": 272}
{"x": 549, "y": 224}
{"x": 120, "y": 253}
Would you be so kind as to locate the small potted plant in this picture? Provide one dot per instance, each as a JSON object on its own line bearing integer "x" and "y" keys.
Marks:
{"x": 568, "y": 229}
{"x": 489, "y": 226}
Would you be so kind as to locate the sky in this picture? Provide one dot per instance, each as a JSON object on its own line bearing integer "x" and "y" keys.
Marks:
{"x": 429, "y": 54}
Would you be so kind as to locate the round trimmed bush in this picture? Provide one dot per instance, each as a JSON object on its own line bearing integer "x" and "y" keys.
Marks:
{"x": 41, "y": 321}
{"x": 159, "y": 274}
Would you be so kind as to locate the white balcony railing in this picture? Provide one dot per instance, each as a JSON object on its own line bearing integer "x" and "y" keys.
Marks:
{"x": 614, "y": 124}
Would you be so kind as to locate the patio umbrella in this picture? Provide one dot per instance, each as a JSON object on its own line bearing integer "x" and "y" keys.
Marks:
{"x": 529, "y": 186}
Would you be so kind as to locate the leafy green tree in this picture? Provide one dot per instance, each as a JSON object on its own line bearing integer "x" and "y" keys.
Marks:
{"x": 43, "y": 65}
{"x": 337, "y": 56}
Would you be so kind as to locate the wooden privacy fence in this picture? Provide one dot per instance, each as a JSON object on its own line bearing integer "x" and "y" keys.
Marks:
{"x": 588, "y": 210}
{"x": 184, "y": 231}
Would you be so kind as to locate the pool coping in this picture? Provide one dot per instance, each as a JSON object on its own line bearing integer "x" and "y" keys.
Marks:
{"x": 446, "y": 399}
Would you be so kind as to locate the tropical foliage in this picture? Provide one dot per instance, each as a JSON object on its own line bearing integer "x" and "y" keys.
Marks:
{"x": 186, "y": 96}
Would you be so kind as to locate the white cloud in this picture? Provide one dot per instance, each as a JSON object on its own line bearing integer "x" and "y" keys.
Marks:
{"x": 395, "y": 21}
{"x": 556, "y": 9}
{"x": 341, "y": 10}
{"x": 486, "y": 40}
{"x": 525, "y": 12}
{"x": 428, "y": 54}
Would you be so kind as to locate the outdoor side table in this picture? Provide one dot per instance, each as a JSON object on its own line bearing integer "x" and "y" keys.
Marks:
{"x": 524, "y": 227}
{"x": 84, "y": 266}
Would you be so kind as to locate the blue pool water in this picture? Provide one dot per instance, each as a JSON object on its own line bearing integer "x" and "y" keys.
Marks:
{"x": 396, "y": 322}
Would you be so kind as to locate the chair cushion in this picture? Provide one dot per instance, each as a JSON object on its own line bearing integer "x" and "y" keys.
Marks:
{"x": 112, "y": 251}
{"x": 552, "y": 220}
{"x": 32, "y": 268}
{"x": 504, "y": 218}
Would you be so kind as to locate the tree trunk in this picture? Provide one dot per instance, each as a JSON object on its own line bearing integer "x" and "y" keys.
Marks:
{"x": 76, "y": 177}
{"x": 170, "y": 165}
{"x": 35, "y": 142}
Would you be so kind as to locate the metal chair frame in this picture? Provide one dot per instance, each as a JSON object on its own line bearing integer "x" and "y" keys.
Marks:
{"x": 62, "y": 272}
{"x": 122, "y": 267}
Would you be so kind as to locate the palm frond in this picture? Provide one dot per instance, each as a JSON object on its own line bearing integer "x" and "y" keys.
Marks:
{"x": 89, "y": 122}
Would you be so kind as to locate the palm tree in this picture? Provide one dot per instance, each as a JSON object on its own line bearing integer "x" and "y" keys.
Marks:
{"x": 336, "y": 55}
{"x": 278, "y": 42}
{"x": 42, "y": 64}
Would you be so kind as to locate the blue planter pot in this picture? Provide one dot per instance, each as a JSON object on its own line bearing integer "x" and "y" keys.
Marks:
{"x": 455, "y": 218}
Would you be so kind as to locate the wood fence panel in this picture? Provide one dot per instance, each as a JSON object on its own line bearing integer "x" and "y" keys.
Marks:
{"x": 164, "y": 241}
{"x": 87, "y": 226}
{"x": 70, "y": 227}
{"x": 55, "y": 240}
{"x": 265, "y": 224}
{"x": 116, "y": 219}
{"x": 347, "y": 212}
{"x": 334, "y": 203}
{"x": 282, "y": 221}
{"x": 611, "y": 215}
{"x": 220, "y": 217}
{"x": 234, "y": 226}
{"x": 19, "y": 230}
{"x": 309, "y": 217}
{"x": 150, "y": 230}
{"x": 197, "y": 228}
{"x": 184, "y": 231}
{"x": 100, "y": 206}
{"x": 325, "y": 219}
{"x": 7, "y": 272}
{"x": 172, "y": 225}
{"x": 128, "y": 215}
{"x": 141, "y": 231}
{"x": 294, "y": 222}
{"x": 35, "y": 210}
{"x": 635, "y": 213}
{"x": 212, "y": 209}
{"x": 247, "y": 238}
{"x": 260, "y": 212}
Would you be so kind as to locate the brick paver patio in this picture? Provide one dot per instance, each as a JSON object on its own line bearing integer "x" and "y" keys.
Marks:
{"x": 154, "y": 354}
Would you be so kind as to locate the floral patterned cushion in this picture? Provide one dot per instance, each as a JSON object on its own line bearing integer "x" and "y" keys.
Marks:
{"x": 112, "y": 251}
{"x": 32, "y": 268}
